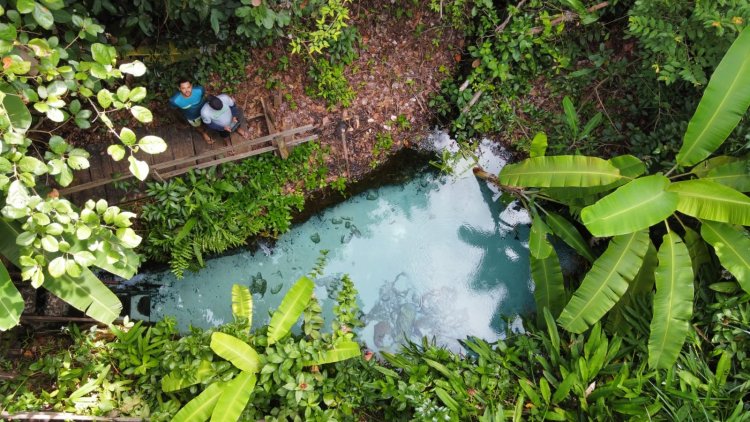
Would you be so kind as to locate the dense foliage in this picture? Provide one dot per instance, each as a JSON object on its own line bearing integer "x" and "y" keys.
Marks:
{"x": 657, "y": 329}
{"x": 59, "y": 69}
{"x": 210, "y": 211}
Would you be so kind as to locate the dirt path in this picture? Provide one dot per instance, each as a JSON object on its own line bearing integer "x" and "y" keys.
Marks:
{"x": 401, "y": 63}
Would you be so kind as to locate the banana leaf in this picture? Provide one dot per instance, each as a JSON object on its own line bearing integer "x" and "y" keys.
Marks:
{"x": 736, "y": 175}
{"x": 560, "y": 171}
{"x": 539, "y": 246}
{"x": 724, "y": 102}
{"x": 606, "y": 282}
{"x": 632, "y": 207}
{"x": 673, "y": 303}
{"x": 342, "y": 350}
{"x": 236, "y": 351}
{"x": 698, "y": 250}
{"x": 630, "y": 167}
{"x": 711, "y": 201}
{"x": 549, "y": 291}
{"x": 11, "y": 302}
{"x": 565, "y": 230}
{"x": 538, "y": 145}
{"x": 234, "y": 397}
{"x": 732, "y": 246}
{"x": 291, "y": 308}
{"x": 242, "y": 303}
{"x": 200, "y": 408}
{"x": 704, "y": 167}
{"x": 642, "y": 284}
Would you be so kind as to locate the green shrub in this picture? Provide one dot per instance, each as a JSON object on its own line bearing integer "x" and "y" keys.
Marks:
{"x": 210, "y": 211}
{"x": 686, "y": 40}
{"x": 329, "y": 83}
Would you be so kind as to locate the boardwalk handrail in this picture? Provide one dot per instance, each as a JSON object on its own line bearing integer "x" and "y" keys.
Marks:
{"x": 206, "y": 155}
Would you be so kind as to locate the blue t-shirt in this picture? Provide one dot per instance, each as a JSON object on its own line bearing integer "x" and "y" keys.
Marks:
{"x": 190, "y": 106}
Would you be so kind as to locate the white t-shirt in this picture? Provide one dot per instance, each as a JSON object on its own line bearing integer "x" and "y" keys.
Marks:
{"x": 221, "y": 117}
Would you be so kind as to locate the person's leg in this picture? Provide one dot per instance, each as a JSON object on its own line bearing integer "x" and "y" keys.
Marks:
{"x": 241, "y": 128}
{"x": 198, "y": 125}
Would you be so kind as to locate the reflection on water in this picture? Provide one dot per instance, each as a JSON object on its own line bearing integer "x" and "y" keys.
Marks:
{"x": 438, "y": 256}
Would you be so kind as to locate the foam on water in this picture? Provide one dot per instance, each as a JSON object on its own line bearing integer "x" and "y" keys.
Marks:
{"x": 438, "y": 256}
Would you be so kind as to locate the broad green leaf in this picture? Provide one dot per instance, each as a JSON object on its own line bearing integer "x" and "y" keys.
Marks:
{"x": 127, "y": 136}
{"x": 236, "y": 351}
{"x": 200, "y": 408}
{"x": 629, "y": 165}
{"x": 25, "y": 6}
{"x": 291, "y": 308}
{"x": 539, "y": 246}
{"x": 673, "y": 303}
{"x": 538, "y": 145}
{"x": 724, "y": 102}
{"x": 104, "y": 97}
{"x": 343, "y": 350}
{"x": 736, "y": 175}
{"x": 174, "y": 381}
{"x": 731, "y": 245}
{"x": 703, "y": 168}
{"x": 8, "y": 32}
{"x": 698, "y": 250}
{"x": 138, "y": 168}
{"x": 571, "y": 117}
{"x": 128, "y": 237}
{"x": 103, "y": 54}
{"x": 32, "y": 165}
{"x": 242, "y": 303}
{"x": 711, "y": 201}
{"x": 632, "y": 207}
{"x": 560, "y": 171}
{"x": 117, "y": 152}
{"x": 142, "y": 114}
{"x": 56, "y": 267}
{"x": 11, "y": 301}
{"x": 446, "y": 398}
{"x": 135, "y": 68}
{"x": 137, "y": 94}
{"x": 606, "y": 282}
{"x": 13, "y": 106}
{"x": 642, "y": 285}
{"x": 43, "y": 16}
{"x": 152, "y": 144}
{"x": 236, "y": 393}
{"x": 565, "y": 230}
{"x": 549, "y": 290}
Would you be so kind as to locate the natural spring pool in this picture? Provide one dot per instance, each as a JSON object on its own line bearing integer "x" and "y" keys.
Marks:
{"x": 438, "y": 256}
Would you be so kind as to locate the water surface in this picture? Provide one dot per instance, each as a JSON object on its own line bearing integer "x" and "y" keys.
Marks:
{"x": 438, "y": 256}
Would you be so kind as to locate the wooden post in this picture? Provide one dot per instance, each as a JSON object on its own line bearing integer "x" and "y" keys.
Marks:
{"x": 278, "y": 141}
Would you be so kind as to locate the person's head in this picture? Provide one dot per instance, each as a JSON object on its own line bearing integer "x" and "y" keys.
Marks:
{"x": 215, "y": 102}
{"x": 186, "y": 87}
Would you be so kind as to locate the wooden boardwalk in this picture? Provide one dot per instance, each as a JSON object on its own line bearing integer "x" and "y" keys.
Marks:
{"x": 186, "y": 150}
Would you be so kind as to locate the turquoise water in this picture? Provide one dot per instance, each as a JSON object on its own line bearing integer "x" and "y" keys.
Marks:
{"x": 438, "y": 256}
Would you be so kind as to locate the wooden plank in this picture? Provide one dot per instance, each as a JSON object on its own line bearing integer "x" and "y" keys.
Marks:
{"x": 181, "y": 145}
{"x": 236, "y": 157}
{"x": 97, "y": 182}
{"x": 181, "y": 161}
{"x": 81, "y": 177}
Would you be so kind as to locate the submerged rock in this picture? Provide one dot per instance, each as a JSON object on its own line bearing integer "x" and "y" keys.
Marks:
{"x": 372, "y": 195}
{"x": 315, "y": 237}
{"x": 277, "y": 288}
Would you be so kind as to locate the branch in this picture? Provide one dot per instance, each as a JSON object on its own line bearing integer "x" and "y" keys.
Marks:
{"x": 505, "y": 23}
{"x": 569, "y": 16}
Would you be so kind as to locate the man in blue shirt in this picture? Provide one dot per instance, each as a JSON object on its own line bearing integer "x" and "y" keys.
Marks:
{"x": 189, "y": 100}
